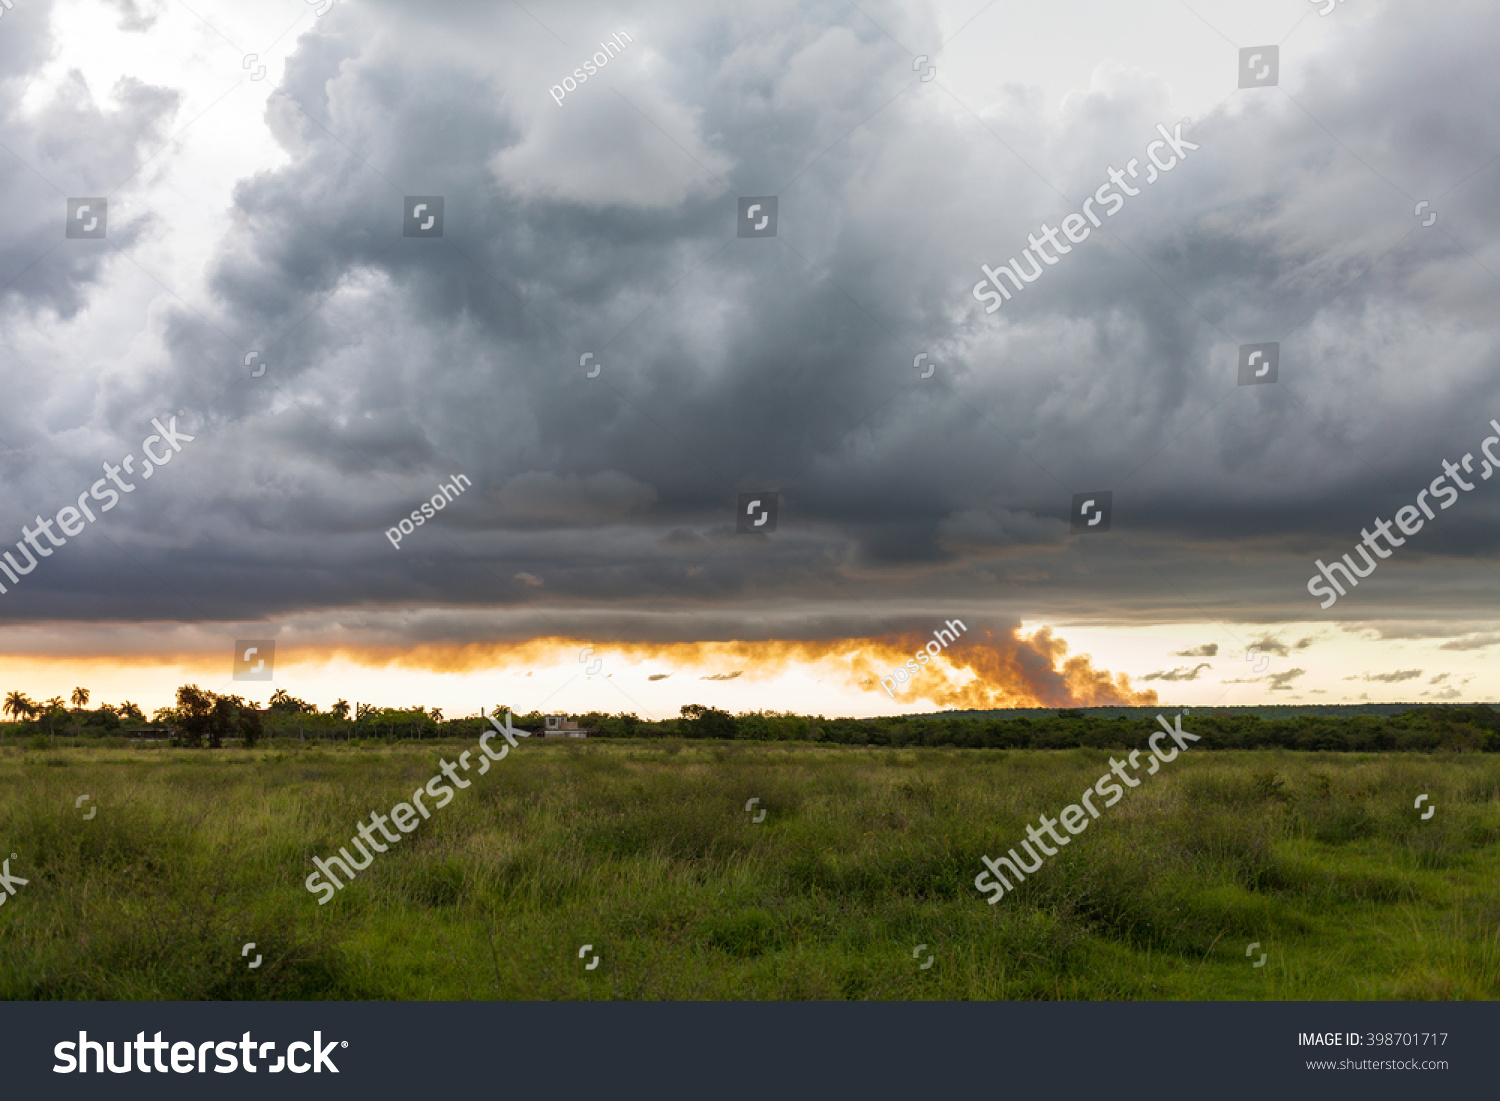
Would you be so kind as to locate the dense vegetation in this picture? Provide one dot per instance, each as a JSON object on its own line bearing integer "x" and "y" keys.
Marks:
{"x": 206, "y": 718}
{"x": 1475, "y": 728}
{"x": 646, "y": 850}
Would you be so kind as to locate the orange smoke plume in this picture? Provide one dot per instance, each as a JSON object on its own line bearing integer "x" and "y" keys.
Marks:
{"x": 982, "y": 670}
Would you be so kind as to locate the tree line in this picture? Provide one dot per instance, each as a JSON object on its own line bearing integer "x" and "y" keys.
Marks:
{"x": 1423, "y": 728}
{"x": 54, "y": 712}
{"x": 201, "y": 717}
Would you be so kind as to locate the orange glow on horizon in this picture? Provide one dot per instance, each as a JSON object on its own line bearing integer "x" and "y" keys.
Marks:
{"x": 980, "y": 670}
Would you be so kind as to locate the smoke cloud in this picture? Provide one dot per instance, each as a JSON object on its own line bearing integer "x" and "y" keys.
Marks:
{"x": 985, "y": 668}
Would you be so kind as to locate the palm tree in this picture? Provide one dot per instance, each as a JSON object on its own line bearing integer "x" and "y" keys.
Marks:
{"x": 80, "y": 698}
{"x": 130, "y": 711}
{"x": 18, "y": 704}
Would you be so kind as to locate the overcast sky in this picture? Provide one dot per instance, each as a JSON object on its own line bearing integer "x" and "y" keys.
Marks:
{"x": 594, "y": 347}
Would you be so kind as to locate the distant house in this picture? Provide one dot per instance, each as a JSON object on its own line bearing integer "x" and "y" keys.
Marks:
{"x": 153, "y": 733}
{"x": 558, "y": 726}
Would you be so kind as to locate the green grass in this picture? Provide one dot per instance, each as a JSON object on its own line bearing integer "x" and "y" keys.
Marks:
{"x": 645, "y": 850}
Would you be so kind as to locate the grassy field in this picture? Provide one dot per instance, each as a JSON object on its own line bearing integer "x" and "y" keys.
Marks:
{"x": 645, "y": 850}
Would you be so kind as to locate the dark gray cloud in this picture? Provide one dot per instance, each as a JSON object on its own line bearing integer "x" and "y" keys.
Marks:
{"x": 1472, "y": 642}
{"x": 726, "y": 364}
{"x": 1282, "y": 682}
{"x": 79, "y": 142}
{"x": 65, "y": 140}
{"x": 1179, "y": 674}
{"x": 1207, "y": 650}
{"x": 1268, "y": 645}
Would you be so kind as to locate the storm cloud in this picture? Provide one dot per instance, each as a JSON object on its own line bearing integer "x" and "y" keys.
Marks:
{"x": 592, "y": 342}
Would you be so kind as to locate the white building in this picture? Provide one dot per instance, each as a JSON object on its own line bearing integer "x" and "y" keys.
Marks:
{"x": 558, "y": 726}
